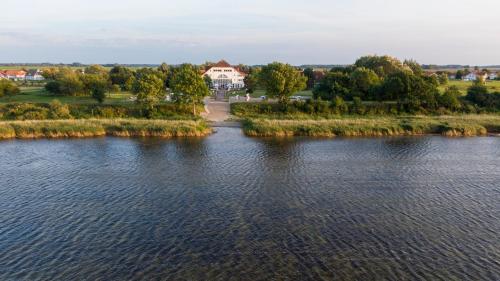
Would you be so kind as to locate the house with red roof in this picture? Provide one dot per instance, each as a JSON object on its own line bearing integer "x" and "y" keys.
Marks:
{"x": 14, "y": 74}
{"x": 225, "y": 76}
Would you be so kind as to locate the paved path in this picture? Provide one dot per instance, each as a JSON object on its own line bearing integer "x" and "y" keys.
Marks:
{"x": 216, "y": 111}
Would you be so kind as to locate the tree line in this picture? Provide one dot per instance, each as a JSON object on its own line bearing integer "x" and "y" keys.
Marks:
{"x": 149, "y": 85}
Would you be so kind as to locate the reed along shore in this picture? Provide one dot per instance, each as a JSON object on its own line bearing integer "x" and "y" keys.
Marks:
{"x": 465, "y": 125}
{"x": 84, "y": 128}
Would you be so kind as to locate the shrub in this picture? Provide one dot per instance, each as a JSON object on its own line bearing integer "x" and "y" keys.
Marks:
{"x": 450, "y": 99}
{"x": 59, "y": 110}
{"x": 8, "y": 88}
{"x": 53, "y": 87}
{"x": 26, "y": 111}
{"x": 357, "y": 106}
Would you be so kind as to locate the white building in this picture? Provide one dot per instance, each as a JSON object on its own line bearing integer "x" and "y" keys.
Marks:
{"x": 34, "y": 75}
{"x": 225, "y": 76}
{"x": 493, "y": 76}
{"x": 14, "y": 74}
{"x": 473, "y": 76}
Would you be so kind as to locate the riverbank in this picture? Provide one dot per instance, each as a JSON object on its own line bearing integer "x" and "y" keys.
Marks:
{"x": 352, "y": 126}
{"x": 103, "y": 127}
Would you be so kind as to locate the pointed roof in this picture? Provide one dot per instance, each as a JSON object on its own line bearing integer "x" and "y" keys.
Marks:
{"x": 222, "y": 63}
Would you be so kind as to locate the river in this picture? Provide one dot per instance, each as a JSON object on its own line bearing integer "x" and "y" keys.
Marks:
{"x": 228, "y": 207}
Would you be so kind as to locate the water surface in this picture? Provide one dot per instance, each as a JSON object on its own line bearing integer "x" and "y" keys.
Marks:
{"x": 229, "y": 207}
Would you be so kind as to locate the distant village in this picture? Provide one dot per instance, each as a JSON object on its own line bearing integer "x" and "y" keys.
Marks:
{"x": 22, "y": 75}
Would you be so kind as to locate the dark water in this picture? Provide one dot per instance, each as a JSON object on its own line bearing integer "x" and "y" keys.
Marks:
{"x": 234, "y": 208}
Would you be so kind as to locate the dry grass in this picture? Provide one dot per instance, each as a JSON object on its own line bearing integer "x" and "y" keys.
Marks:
{"x": 102, "y": 127}
{"x": 466, "y": 125}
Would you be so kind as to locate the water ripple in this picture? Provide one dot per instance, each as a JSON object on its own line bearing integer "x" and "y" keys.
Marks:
{"x": 234, "y": 208}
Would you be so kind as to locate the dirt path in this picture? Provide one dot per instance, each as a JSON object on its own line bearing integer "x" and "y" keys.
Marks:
{"x": 216, "y": 111}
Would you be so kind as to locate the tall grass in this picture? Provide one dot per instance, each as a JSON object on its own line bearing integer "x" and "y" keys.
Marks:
{"x": 102, "y": 127}
{"x": 466, "y": 125}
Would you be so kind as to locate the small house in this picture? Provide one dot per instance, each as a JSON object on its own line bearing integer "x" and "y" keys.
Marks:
{"x": 15, "y": 74}
{"x": 34, "y": 75}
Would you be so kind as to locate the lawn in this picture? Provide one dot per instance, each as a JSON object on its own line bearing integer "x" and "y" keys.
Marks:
{"x": 492, "y": 86}
{"x": 39, "y": 95}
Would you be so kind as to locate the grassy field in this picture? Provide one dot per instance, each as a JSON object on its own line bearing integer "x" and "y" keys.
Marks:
{"x": 102, "y": 127}
{"x": 492, "y": 86}
{"x": 39, "y": 95}
{"x": 355, "y": 126}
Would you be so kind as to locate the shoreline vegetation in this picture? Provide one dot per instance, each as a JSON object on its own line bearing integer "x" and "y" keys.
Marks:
{"x": 84, "y": 128}
{"x": 365, "y": 126}
{"x": 374, "y": 96}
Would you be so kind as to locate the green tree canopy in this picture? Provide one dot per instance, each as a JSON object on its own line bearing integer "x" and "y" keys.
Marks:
{"x": 252, "y": 79}
{"x": 70, "y": 82}
{"x": 363, "y": 81}
{"x": 97, "y": 69}
{"x": 281, "y": 81}
{"x": 450, "y": 98}
{"x": 97, "y": 85}
{"x": 334, "y": 84}
{"x": 8, "y": 88}
{"x": 150, "y": 90}
{"x": 188, "y": 86}
{"x": 382, "y": 65}
{"x": 309, "y": 73}
{"x": 122, "y": 76}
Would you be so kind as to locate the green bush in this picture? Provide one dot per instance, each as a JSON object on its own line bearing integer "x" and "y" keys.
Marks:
{"x": 59, "y": 110}
{"x": 8, "y": 88}
{"x": 26, "y": 111}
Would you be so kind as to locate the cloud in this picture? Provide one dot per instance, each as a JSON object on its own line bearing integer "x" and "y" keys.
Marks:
{"x": 327, "y": 31}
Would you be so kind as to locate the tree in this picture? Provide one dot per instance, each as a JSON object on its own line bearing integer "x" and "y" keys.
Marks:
{"x": 70, "y": 82}
{"x": 334, "y": 84}
{"x": 53, "y": 87}
{"x": 188, "y": 86}
{"x": 394, "y": 85}
{"x": 411, "y": 91}
{"x": 97, "y": 69}
{"x": 97, "y": 85}
{"x": 414, "y": 66}
{"x": 449, "y": 99}
{"x": 122, "y": 76}
{"x": 478, "y": 94}
{"x": 167, "y": 73}
{"x": 382, "y": 65}
{"x": 443, "y": 78}
{"x": 149, "y": 89}
{"x": 309, "y": 73}
{"x": 281, "y": 81}
{"x": 459, "y": 75}
{"x": 50, "y": 73}
{"x": 251, "y": 80}
{"x": 164, "y": 68}
{"x": 363, "y": 81}
{"x": 8, "y": 88}
{"x": 208, "y": 81}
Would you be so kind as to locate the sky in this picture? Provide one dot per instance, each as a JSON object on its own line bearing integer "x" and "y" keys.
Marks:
{"x": 249, "y": 32}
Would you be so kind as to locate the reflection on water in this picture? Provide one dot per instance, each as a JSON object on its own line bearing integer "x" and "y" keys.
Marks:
{"x": 227, "y": 207}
